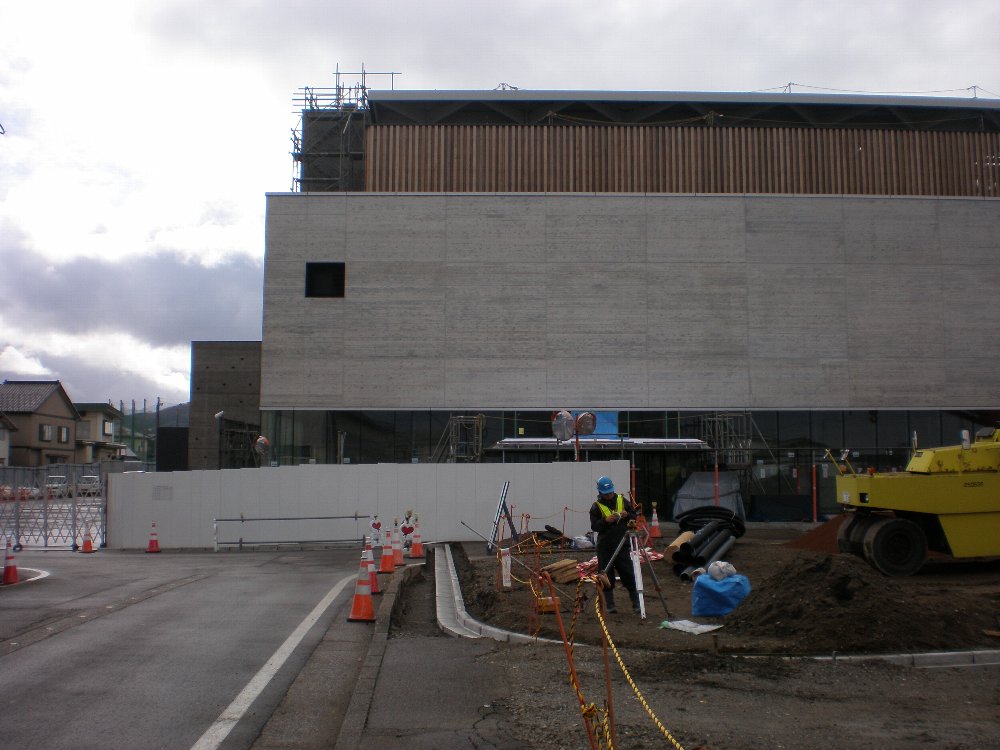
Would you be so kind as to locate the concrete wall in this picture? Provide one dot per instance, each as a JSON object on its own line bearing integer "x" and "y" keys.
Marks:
{"x": 225, "y": 376}
{"x": 495, "y": 301}
{"x": 183, "y": 505}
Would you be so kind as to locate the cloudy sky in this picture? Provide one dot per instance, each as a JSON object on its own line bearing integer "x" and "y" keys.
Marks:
{"x": 139, "y": 138}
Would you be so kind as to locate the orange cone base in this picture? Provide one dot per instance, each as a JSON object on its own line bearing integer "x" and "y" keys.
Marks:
{"x": 416, "y": 550}
{"x": 362, "y": 611}
{"x": 387, "y": 564}
{"x": 154, "y": 546}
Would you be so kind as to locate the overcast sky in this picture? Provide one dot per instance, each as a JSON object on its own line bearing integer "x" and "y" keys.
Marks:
{"x": 139, "y": 138}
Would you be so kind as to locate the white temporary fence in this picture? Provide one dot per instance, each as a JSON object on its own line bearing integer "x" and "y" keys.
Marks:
{"x": 186, "y": 506}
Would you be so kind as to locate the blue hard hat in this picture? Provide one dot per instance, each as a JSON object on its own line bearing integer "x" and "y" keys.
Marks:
{"x": 605, "y": 485}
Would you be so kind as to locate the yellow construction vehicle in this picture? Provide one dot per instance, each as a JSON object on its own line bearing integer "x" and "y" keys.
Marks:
{"x": 947, "y": 500}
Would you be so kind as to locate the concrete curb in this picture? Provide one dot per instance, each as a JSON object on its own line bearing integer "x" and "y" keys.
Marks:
{"x": 979, "y": 658}
{"x": 452, "y": 616}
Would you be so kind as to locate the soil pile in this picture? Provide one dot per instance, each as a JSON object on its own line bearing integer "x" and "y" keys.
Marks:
{"x": 838, "y": 603}
{"x": 802, "y": 602}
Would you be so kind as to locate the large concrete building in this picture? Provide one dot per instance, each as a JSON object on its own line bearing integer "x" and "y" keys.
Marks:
{"x": 773, "y": 274}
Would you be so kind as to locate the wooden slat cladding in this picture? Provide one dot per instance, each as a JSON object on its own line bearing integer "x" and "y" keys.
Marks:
{"x": 639, "y": 159}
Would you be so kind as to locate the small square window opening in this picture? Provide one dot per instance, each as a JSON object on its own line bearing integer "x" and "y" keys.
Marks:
{"x": 324, "y": 279}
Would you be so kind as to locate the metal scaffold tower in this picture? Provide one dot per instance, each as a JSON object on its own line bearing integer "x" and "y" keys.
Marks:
{"x": 328, "y": 142}
{"x": 236, "y": 444}
{"x": 461, "y": 441}
{"x": 730, "y": 435}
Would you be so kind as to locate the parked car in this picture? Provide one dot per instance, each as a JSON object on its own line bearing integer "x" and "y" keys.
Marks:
{"x": 89, "y": 485}
{"x": 57, "y": 486}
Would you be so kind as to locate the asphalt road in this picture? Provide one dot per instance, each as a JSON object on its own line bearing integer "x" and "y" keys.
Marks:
{"x": 176, "y": 650}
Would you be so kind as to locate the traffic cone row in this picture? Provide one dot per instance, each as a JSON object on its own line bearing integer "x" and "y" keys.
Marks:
{"x": 416, "y": 546}
{"x": 154, "y": 543}
{"x": 9, "y": 567}
{"x": 362, "y": 608}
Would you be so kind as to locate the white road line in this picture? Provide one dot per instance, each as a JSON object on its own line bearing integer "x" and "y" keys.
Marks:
{"x": 228, "y": 719}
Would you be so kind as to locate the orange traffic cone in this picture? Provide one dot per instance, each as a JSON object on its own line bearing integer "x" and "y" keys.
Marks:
{"x": 362, "y": 608}
{"x": 388, "y": 562}
{"x": 372, "y": 573}
{"x": 88, "y": 543}
{"x": 397, "y": 547}
{"x": 654, "y": 527}
{"x": 417, "y": 545}
{"x": 9, "y": 567}
{"x": 154, "y": 543}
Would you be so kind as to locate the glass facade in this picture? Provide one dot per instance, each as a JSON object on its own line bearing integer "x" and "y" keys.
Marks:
{"x": 787, "y": 463}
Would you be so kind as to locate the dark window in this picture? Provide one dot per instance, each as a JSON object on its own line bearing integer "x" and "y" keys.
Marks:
{"x": 324, "y": 279}
{"x": 45, "y": 432}
{"x": 64, "y": 434}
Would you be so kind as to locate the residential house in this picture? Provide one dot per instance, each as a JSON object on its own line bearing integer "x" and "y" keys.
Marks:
{"x": 98, "y": 433}
{"x": 44, "y": 420}
{"x": 7, "y": 426}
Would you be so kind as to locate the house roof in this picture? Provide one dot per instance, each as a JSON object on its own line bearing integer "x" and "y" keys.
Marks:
{"x": 100, "y": 407}
{"x": 6, "y": 422}
{"x": 27, "y": 396}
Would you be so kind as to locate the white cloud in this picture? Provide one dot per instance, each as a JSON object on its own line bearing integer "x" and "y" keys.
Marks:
{"x": 165, "y": 368}
{"x": 15, "y": 363}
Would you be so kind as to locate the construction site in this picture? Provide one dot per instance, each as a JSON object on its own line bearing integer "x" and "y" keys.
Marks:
{"x": 722, "y": 286}
{"x": 818, "y": 631}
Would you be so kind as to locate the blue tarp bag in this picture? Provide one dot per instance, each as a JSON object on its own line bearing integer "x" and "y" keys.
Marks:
{"x": 711, "y": 598}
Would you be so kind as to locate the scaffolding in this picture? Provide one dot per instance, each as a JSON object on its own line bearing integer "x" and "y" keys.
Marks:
{"x": 461, "y": 441}
{"x": 328, "y": 141}
{"x": 236, "y": 444}
{"x": 730, "y": 434}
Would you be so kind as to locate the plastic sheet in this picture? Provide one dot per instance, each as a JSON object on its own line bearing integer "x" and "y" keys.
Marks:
{"x": 711, "y": 598}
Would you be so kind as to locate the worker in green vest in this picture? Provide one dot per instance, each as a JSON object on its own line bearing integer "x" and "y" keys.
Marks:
{"x": 609, "y": 517}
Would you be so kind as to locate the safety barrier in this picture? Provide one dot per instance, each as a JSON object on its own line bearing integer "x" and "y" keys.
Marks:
{"x": 272, "y": 534}
{"x": 54, "y": 506}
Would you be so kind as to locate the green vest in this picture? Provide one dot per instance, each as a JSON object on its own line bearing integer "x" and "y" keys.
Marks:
{"x": 606, "y": 511}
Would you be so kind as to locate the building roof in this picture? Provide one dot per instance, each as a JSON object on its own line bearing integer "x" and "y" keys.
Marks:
{"x": 684, "y": 107}
{"x": 6, "y": 422}
{"x": 27, "y": 396}
{"x": 100, "y": 407}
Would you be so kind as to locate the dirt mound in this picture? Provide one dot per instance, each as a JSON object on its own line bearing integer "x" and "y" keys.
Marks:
{"x": 829, "y": 603}
{"x": 802, "y": 602}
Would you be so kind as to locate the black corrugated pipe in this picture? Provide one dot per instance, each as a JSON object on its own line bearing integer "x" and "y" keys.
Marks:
{"x": 710, "y": 549}
{"x": 720, "y": 552}
{"x": 688, "y": 548}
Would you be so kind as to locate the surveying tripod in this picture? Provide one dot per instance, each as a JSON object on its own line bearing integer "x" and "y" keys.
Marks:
{"x": 637, "y": 553}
